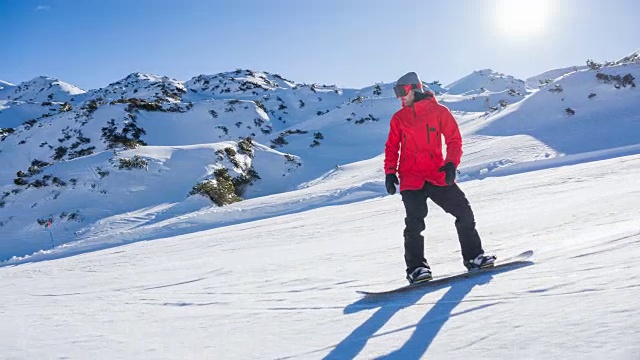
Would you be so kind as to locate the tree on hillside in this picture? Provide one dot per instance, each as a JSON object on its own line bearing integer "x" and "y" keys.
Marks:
{"x": 377, "y": 90}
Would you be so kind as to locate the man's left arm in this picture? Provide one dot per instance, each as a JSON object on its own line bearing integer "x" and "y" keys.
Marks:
{"x": 452, "y": 137}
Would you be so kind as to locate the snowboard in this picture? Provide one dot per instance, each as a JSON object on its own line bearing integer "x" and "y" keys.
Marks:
{"x": 441, "y": 280}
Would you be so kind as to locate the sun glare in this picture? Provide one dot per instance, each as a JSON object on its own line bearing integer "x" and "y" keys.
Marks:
{"x": 521, "y": 18}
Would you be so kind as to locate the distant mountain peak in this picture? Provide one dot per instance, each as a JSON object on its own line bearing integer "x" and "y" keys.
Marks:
{"x": 5, "y": 85}
{"x": 138, "y": 76}
{"x": 41, "y": 88}
{"x": 633, "y": 58}
{"x": 249, "y": 82}
{"x": 52, "y": 82}
{"x": 142, "y": 85}
{"x": 486, "y": 80}
{"x": 239, "y": 81}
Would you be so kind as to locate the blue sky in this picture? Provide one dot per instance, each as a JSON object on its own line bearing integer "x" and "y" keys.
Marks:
{"x": 350, "y": 43}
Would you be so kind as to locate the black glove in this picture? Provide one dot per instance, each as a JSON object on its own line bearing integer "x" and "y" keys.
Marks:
{"x": 390, "y": 183}
{"x": 450, "y": 172}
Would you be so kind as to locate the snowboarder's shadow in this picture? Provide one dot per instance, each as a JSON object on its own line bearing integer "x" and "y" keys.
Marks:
{"x": 425, "y": 330}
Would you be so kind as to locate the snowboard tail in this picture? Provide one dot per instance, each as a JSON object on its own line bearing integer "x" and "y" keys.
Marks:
{"x": 440, "y": 280}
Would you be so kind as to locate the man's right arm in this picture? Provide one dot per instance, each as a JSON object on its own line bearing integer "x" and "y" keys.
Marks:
{"x": 392, "y": 147}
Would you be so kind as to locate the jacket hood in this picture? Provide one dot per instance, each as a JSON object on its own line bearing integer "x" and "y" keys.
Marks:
{"x": 424, "y": 96}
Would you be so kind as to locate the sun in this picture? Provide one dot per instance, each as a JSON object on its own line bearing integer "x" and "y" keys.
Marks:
{"x": 522, "y": 18}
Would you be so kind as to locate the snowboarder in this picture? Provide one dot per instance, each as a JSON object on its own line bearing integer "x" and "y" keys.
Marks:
{"x": 414, "y": 151}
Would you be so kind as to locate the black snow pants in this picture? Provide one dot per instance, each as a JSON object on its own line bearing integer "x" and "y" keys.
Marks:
{"x": 453, "y": 201}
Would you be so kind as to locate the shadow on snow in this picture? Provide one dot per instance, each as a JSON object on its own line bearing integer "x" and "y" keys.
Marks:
{"x": 425, "y": 330}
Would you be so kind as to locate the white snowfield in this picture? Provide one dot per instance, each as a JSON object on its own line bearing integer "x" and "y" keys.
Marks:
{"x": 154, "y": 274}
{"x": 285, "y": 287}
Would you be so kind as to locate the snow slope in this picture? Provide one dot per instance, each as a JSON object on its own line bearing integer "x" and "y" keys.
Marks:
{"x": 284, "y": 287}
{"x": 576, "y": 113}
{"x": 543, "y": 79}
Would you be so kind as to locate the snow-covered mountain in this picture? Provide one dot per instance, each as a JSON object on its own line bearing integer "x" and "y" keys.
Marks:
{"x": 585, "y": 110}
{"x": 484, "y": 90}
{"x": 546, "y": 77}
{"x": 142, "y": 269}
{"x": 4, "y": 85}
{"x": 34, "y": 99}
{"x": 83, "y": 162}
{"x": 40, "y": 89}
{"x": 633, "y": 58}
{"x": 486, "y": 80}
{"x": 142, "y": 86}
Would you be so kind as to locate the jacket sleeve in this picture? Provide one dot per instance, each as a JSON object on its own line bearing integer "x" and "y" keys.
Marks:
{"x": 452, "y": 138}
{"x": 392, "y": 147}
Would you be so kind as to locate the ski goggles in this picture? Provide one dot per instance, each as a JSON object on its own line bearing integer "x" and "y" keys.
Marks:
{"x": 403, "y": 90}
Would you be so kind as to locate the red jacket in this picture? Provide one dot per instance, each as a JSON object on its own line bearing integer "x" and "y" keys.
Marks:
{"x": 416, "y": 133}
